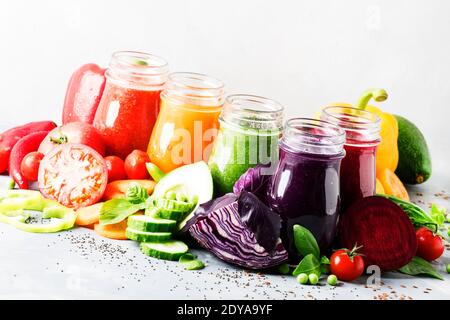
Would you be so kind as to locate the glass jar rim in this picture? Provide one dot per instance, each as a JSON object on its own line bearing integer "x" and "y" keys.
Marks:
{"x": 357, "y": 117}
{"x": 313, "y": 136}
{"x": 137, "y": 69}
{"x": 194, "y": 88}
{"x": 252, "y": 112}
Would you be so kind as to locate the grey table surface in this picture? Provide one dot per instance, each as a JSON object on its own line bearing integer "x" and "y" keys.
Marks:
{"x": 78, "y": 264}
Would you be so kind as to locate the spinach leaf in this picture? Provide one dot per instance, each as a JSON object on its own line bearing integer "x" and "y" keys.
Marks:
{"x": 309, "y": 264}
{"x": 116, "y": 210}
{"x": 305, "y": 242}
{"x": 418, "y": 266}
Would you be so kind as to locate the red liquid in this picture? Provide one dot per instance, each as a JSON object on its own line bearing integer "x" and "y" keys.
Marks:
{"x": 358, "y": 172}
{"x": 125, "y": 118}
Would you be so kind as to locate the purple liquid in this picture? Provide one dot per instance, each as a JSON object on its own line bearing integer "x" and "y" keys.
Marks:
{"x": 305, "y": 190}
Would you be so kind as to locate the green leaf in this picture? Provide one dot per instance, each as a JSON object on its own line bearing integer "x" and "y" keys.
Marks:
{"x": 437, "y": 214}
{"x": 116, "y": 210}
{"x": 305, "y": 242}
{"x": 136, "y": 194}
{"x": 190, "y": 262}
{"x": 418, "y": 266}
{"x": 324, "y": 260}
{"x": 309, "y": 264}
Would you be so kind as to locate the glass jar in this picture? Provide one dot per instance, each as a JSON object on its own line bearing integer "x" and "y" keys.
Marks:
{"x": 130, "y": 102}
{"x": 250, "y": 127}
{"x": 358, "y": 170}
{"x": 305, "y": 187}
{"x": 188, "y": 122}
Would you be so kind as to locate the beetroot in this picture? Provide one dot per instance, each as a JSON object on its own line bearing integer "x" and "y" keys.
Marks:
{"x": 383, "y": 230}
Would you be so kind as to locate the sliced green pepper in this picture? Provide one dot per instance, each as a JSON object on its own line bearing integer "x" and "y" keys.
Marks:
{"x": 14, "y": 202}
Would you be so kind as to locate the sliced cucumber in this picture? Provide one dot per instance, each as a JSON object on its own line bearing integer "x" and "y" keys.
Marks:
{"x": 170, "y": 250}
{"x": 171, "y": 215}
{"x": 173, "y": 205}
{"x": 142, "y": 236}
{"x": 150, "y": 224}
{"x": 195, "y": 179}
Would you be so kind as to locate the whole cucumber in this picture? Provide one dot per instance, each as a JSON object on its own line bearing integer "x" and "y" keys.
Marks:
{"x": 414, "y": 163}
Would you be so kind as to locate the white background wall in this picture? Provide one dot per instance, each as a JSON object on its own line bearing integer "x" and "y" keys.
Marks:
{"x": 301, "y": 53}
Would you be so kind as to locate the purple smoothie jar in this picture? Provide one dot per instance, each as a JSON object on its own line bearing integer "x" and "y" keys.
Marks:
{"x": 305, "y": 187}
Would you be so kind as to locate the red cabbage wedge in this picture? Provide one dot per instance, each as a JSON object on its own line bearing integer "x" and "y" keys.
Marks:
{"x": 242, "y": 231}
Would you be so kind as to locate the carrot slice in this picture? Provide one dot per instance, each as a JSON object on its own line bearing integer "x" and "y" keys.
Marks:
{"x": 88, "y": 215}
{"x": 392, "y": 184}
{"x": 118, "y": 188}
{"x": 112, "y": 231}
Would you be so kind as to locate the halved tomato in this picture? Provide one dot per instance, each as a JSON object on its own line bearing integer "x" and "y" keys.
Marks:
{"x": 75, "y": 175}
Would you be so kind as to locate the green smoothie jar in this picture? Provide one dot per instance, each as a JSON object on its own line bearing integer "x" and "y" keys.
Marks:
{"x": 250, "y": 127}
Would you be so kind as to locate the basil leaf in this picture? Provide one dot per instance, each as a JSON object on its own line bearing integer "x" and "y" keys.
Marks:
{"x": 309, "y": 264}
{"x": 116, "y": 210}
{"x": 418, "y": 266}
{"x": 305, "y": 242}
{"x": 190, "y": 262}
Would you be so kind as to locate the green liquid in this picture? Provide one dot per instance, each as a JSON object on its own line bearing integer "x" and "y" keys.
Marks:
{"x": 237, "y": 150}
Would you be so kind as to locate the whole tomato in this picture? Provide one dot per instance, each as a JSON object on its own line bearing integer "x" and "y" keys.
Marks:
{"x": 73, "y": 132}
{"x": 30, "y": 165}
{"x": 429, "y": 246}
{"x": 135, "y": 165}
{"x": 116, "y": 168}
{"x": 346, "y": 264}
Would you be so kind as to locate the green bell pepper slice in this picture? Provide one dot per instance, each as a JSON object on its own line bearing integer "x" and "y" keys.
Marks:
{"x": 14, "y": 202}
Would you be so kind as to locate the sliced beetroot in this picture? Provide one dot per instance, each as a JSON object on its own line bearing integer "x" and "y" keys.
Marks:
{"x": 383, "y": 230}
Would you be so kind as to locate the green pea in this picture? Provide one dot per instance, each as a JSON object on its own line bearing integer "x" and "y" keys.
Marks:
{"x": 448, "y": 268}
{"x": 313, "y": 278}
{"x": 302, "y": 278}
{"x": 332, "y": 280}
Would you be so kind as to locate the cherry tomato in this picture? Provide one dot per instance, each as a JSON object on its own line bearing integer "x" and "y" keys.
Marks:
{"x": 429, "y": 246}
{"x": 73, "y": 132}
{"x": 30, "y": 165}
{"x": 135, "y": 165}
{"x": 75, "y": 175}
{"x": 116, "y": 168}
{"x": 346, "y": 264}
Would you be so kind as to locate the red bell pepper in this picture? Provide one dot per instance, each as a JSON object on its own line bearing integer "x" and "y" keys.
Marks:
{"x": 83, "y": 94}
{"x": 23, "y": 147}
{"x": 10, "y": 137}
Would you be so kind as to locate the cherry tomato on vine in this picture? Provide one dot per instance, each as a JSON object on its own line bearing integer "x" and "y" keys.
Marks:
{"x": 347, "y": 265}
{"x": 135, "y": 165}
{"x": 429, "y": 246}
{"x": 116, "y": 168}
{"x": 30, "y": 165}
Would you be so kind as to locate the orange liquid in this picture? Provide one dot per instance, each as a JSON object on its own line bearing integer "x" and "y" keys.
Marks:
{"x": 183, "y": 134}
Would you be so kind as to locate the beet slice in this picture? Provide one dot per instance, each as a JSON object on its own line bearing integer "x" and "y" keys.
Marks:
{"x": 383, "y": 230}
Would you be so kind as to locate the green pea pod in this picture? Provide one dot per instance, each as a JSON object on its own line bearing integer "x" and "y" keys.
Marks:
{"x": 14, "y": 202}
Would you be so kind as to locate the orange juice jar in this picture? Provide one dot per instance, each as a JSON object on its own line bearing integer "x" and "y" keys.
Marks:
{"x": 187, "y": 123}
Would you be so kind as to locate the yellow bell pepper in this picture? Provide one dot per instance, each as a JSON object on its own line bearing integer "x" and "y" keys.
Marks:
{"x": 387, "y": 151}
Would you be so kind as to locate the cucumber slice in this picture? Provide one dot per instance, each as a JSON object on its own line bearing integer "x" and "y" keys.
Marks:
{"x": 195, "y": 179}
{"x": 150, "y": 224}
{"x": 170, "y": 250}
{"x": 173, "y": 205}
{"x": 171, "y": 215}
{"x": 142, "y": 236}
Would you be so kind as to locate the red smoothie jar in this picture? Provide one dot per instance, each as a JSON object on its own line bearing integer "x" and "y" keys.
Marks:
{"x": 358, "y": 168}
{"x": 130, "y": 102}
